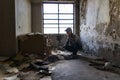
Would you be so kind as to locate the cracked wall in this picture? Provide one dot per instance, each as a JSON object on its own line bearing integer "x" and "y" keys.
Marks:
{"x": 100, "y": 28}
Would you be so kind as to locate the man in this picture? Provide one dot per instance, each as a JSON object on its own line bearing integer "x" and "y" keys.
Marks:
{"x": 73, "y": 43}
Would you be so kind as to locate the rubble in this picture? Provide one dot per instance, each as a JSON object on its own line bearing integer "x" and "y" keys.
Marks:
{"x": 29, "y": 75}
{"x": 12, "y": 70}
{"x": 28, "y": 66}
{"x": 34, "y": 59}
{"x": 23, "y": 66}
{"x": 52, "y": 58}
{"x": 46, "y": 78}
{"x": 107, "y": 65}
{"x": 104, "y": 65}
{"x": 34, "y": 43}
{"x": 34, "y": 67}
{"x": 14, "y": 77}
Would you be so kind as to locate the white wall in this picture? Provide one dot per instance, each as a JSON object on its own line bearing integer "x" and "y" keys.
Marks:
{"x": 100, "y": 29}
{"x": 97, "y": 13}
{"x": 15, "y": 19}
{"x": 23, "y": 16}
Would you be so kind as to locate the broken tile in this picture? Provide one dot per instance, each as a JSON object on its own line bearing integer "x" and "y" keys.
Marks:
{"x": 12, "y": 78}
{"x": 23, "y": 66}
{"x": 30, "y": 75}
{"x": 12, "y": 70}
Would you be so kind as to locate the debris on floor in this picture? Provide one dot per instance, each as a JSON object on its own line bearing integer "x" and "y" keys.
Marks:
{"x": 12, "y": 70}
{"x": 25, "y": 67}
{"x": 34, "y": 43}
{"x": 36, "y": 67}
{"x": 30, "y": 66}
{"x": 14, "y": 77}
{"x": 104, "y": 65}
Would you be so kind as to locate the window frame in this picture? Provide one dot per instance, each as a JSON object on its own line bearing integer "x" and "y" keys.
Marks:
{"x": 73, "y": 20}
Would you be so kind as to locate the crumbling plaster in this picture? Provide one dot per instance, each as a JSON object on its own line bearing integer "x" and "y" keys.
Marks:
{"x": 100, "y": 30}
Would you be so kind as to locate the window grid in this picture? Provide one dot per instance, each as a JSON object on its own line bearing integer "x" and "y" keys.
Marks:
{"x": 57, "y": 23}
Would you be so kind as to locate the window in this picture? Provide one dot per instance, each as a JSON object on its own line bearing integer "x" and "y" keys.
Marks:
{"x": 57, "y": 17}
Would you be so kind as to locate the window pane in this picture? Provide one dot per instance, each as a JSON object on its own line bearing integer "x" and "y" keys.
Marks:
{"x": 50, "y": 16}
{"x": 50, "y": 26}
{"x": 50, "y": 21}
{"x": 66, "y": 16}
{"x": 50, "y": 8}
{"x": 50, "y": 30}
{"x": 54, "y": 18}
{"x": 66, "y": 8}
{"x": 62, "y": 30}
{"x": 65, "y": 26}
{"x": 66, "y": 21}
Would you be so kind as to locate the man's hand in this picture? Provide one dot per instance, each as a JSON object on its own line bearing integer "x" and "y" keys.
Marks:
{"x": 61, "y": 48}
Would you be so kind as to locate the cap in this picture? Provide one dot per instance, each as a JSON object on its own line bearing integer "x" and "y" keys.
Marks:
{"x": 68, "y": 29}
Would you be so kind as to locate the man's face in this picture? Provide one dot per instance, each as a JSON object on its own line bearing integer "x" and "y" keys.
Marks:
{"x": 68, "y": 33}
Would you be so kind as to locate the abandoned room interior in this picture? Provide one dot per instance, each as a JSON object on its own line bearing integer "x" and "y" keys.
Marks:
{"x": 33, "y": 33}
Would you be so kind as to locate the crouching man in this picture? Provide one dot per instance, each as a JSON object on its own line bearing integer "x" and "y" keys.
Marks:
{"x": 73, "y": 43}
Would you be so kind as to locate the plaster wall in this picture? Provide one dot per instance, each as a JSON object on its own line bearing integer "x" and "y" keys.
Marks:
{"x": 100, "y": 28}
{"x": 23, "y": 16}
{"x": 15, "y": 19}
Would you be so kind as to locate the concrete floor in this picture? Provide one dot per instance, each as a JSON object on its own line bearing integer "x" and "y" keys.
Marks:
{"x": 80, "y": 70}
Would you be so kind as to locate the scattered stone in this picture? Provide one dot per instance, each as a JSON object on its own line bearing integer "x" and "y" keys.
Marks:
{"x": 107, "y": 65}
{"x": 46, "y": 78}
{"x": 23, "y": 66}
{"x": 12, "y": 78}
{"x": 52, "y": 58}
{"x": 12, "y": 70}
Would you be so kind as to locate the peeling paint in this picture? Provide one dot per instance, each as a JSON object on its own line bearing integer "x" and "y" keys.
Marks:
{"x": 100, "y": 34}
{"x": 83, "y": 9}
{"x": 100, "y": 28}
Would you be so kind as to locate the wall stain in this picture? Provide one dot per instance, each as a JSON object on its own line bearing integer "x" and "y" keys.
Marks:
{"x": 106, "y": 42}
{"x": 114, "y": 17}
{"x": 83, "y": 10}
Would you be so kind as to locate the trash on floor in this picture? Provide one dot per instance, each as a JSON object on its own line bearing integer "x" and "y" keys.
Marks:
{"x": 29, "y": 66}
{"x": 14, "y": 77}
{"x": 104, "y": 65}
{"x": 12, "y": 70}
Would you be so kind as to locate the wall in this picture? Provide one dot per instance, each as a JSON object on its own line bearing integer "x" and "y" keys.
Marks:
{"x": 23, "y": 16}
{"x": 14, "y": 20}
{"x": 36, "y": 17}
{"x": 100, "y": 28}
{"x": 7, "y": 25}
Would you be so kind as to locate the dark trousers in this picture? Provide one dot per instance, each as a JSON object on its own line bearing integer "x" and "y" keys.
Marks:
{"x": 73, "y": 48}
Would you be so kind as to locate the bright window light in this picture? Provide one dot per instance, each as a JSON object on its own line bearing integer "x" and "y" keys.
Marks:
{"x": 57, "y": 17}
